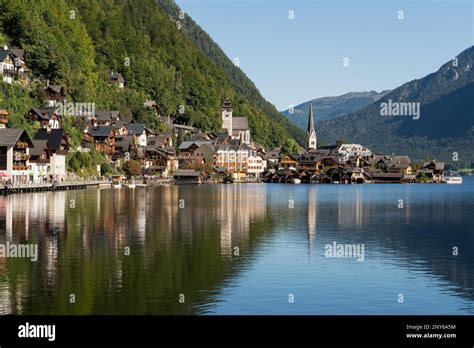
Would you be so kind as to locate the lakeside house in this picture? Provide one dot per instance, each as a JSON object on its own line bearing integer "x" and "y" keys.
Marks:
{"x": 188, "y": 176}
{"x": 40, "y": 160}
{"x": 221, "y": 156}
{"x": 15, "y": 145}
{"x": 57, "y": 142}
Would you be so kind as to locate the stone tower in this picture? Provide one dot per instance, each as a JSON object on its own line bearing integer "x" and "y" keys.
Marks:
{"x": 227, "y": 116}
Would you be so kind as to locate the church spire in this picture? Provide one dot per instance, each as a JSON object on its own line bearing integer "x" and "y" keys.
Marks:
{"x": 312, "y": 144}
{"x": 310, "y": 121}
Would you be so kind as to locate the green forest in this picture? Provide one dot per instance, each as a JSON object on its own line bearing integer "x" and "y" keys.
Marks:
{"x": 76, "y": 43}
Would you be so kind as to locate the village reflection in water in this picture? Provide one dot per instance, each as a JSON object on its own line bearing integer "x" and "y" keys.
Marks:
{"x": 129, "y": 251}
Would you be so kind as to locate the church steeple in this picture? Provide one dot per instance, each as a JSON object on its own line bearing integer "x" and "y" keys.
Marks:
{"x": 312, "y": 141}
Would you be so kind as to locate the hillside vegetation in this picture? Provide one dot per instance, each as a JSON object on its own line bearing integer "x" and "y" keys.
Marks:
{"x": 76, "y": 43}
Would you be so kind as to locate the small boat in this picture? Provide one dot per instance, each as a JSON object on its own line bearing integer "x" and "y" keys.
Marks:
{"x": 132, "y": 185}
{"x": 453, "y": 180}
{"x": 117, "y": 186}
{"x": 296, "y": 181}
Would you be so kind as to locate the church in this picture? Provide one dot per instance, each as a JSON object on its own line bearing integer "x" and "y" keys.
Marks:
{"x": 236, "y": 127}
{"x": 311, "y": 140}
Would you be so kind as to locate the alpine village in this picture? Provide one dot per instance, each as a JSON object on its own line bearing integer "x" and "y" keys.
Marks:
{"x": 134, "y": 154}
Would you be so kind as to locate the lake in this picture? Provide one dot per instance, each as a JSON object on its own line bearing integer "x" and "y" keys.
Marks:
{"x": 242, "y": 249}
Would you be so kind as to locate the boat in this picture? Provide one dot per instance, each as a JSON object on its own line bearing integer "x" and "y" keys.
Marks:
{"x": 453, "y": 180}
{"x": 296, "y": 181}
{"x": 117, "y": 186}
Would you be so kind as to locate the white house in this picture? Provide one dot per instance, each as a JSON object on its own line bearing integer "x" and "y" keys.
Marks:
{"x": 40, "y": 161}
{"x": 256, "y": 165}
{"x": 7, "y": 65}
{"x": 351, "y": 150}
{"x": 14, "y": 154}
{"x": 58, "y": 143}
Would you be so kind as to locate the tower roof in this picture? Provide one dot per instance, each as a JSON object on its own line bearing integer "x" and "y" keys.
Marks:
{"x": 310, "y": 120}
{"x": 227, "y": 104}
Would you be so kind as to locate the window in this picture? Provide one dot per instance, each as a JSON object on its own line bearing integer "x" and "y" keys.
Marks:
{"x": 3, "y": 158}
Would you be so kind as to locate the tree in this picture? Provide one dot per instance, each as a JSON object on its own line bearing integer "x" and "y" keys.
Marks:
{"x": 132, "y": 168}
{"x": 290, "y": 146}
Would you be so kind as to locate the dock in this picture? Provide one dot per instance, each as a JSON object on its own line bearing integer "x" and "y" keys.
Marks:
{"x": 55, "y": 186}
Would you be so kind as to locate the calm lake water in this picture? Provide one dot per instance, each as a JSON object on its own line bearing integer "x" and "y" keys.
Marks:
{"x": 241, "y": 249}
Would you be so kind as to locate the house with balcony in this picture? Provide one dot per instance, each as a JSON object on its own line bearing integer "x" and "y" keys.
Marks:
{"x": 101, "y": 138}
{"x": 15, "y": 145}
{"x": 7, "y": 66}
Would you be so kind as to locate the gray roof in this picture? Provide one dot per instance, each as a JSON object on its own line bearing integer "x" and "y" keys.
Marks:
{"x": 39, "y": 146}
{"x": 186, "y": 144}
{"x": 240, "y": 123}
{"x": 18, "y": 52}
{"x": 55, "y": 88}
{"x": 116, "y": 77}
{"x": 54, "y": 137}
{"x": 44, "y": 113}
{"x": 186, "y": 172}
{"x": 10, "y": 136}
{"x": 136, "y": 128}
{"x": 4, "y": 54}
{"x": 100, "y": 131}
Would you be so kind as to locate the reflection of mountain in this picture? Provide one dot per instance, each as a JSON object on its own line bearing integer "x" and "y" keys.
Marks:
{"x": 419, "y": 237}
{"x": 172, "y": 251}
{"x": 190, "y": 250}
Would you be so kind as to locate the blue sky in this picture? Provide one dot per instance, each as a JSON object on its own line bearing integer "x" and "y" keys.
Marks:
{"x": 295, "y": 60}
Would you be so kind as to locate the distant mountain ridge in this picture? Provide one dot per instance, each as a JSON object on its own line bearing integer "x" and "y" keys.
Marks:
{"x": 444, "y": 131}
{"x": 327, "y": 108}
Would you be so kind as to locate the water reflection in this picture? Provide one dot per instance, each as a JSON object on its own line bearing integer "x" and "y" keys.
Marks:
{"x": 135, "y": 251}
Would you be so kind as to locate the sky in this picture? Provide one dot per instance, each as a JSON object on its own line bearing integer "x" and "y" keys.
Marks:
{"x": 293, "y": 60}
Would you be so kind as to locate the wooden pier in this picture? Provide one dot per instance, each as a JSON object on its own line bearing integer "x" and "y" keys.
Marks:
{"x": 56, "y": 186}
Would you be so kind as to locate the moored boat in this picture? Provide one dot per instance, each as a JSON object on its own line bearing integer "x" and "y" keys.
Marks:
{"x": 453, "y": 180}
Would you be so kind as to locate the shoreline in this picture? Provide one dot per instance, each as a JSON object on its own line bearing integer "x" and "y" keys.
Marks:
{"x": 6, "y": 191}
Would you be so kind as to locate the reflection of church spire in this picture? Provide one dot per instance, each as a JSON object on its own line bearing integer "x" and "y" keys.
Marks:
{"x": 311, "y": 218}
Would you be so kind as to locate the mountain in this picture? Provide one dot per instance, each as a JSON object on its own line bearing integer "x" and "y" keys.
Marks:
{"x": 76, "y": 43}
{"x": 243, "y": 86}
{"x": 444, "y": 130}
{"x": 332, "y": 107}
